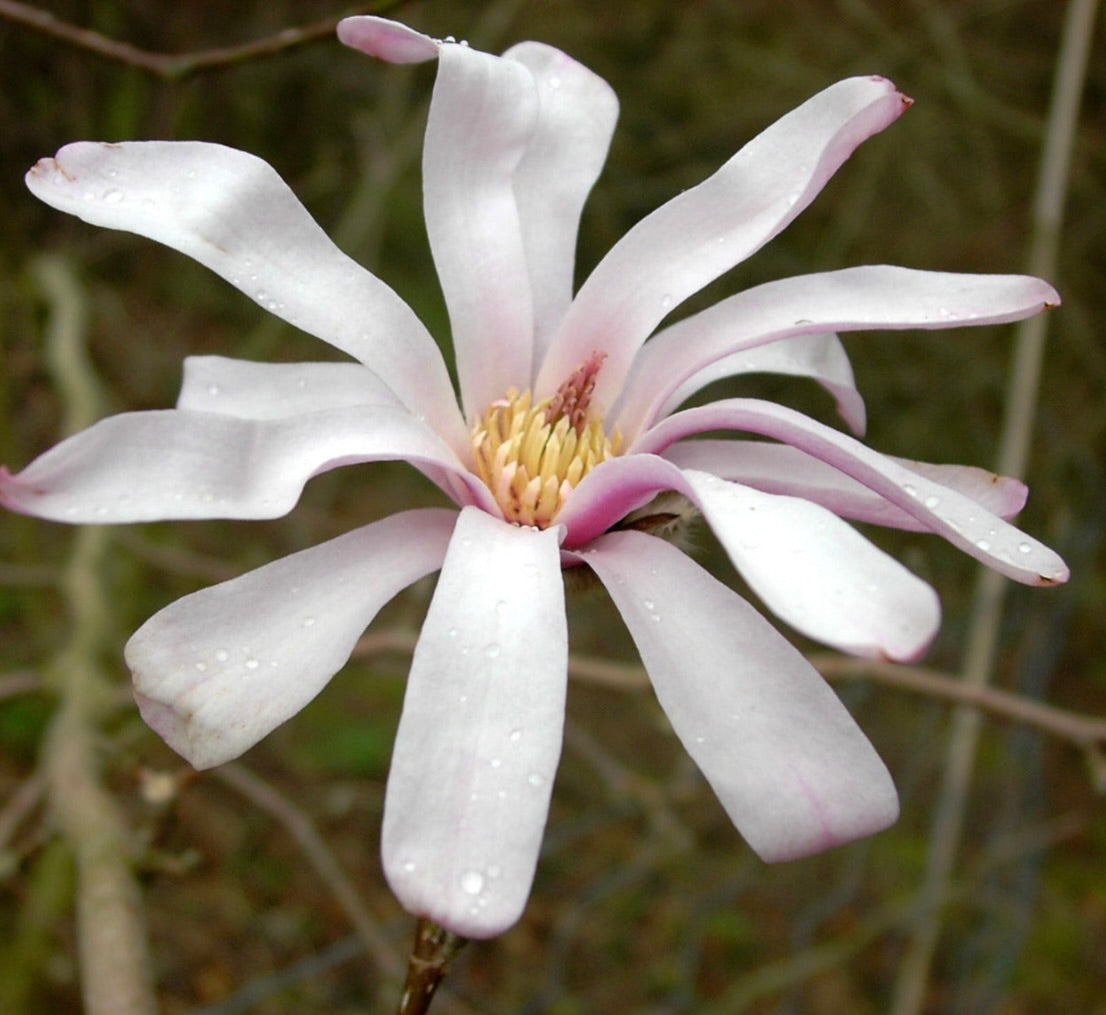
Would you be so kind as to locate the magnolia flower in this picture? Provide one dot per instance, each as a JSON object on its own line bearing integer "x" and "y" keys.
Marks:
{"x": 569, "y": 426}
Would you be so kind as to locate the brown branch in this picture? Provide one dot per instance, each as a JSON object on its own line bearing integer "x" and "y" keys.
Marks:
{"x": 1082, "y": 731}
{"x": 174, "y": 66}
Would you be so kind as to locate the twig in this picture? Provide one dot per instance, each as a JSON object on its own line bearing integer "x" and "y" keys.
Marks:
{"x": 266, "y": 798}
{"x": 171, "y": 66}
{"x": 24, "y": 800}
{"x": 19, "y": 682}
{"x": 1020, "y": 413}
{"x": 114, "y": 958}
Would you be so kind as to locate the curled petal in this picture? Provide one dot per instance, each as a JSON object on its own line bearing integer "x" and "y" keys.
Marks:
{"x": 788, "y": 763}
{"x": 577, "y": 111}
{"x": 235, "y": 387}
{"x": 818, "y": 574}
{"x": 387, "y": 40}
{"x": 218, "y": 670}
{"x": 480, "y": 737}
{"x": 820, "y": 357}
{"x": 234, "y": 214}
{"x": 869, "y": 297}
{"x": 481, "y": 117}
{"x": 175, "y": 463}
{"x": 961, "y": 521}
{"x": 779, "y": 468}
{"x": 708, "y": 229}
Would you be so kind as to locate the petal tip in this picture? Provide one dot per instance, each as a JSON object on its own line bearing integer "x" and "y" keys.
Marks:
{"x": 386, "y": 40}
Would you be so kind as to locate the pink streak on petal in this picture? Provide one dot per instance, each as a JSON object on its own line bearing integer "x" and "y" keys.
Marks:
{"x": 387, "y": 40}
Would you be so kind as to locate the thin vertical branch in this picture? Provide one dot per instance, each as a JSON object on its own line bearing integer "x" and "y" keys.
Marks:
{"x": 114, "y": 960}
{"x": 1013, "y": 454}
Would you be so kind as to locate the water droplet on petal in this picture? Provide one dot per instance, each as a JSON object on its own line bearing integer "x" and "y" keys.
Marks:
{"x": 1024, "y": 548}
{"x": 492, "y": 650}
{"x": 516, "y": 736}
{"x": 909, "y": 490}
{"x": 201, "y": 666}
{"x": 113, "y": 196}
{"x": 983, "y": 545}
{"x": 932, "y": 502}
{"x": 535, "y": 779}
{"x": 222, "y": 655}
{"x": 472, "y": 882}
{"x": 496, "y": 762}
{"x": 408, "y": 865}
{"x": 308, "y": 621}
{"x": 252, "y": 664}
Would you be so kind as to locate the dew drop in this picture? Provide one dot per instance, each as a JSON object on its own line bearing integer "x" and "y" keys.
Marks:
{"x": 492, "y": 650}
{"x": 308, "y": 621}
{"x": 501, "y": 606}
{"x": 472, "y": 882}
{"x": 983, "y": 545}
{"x": 452, "y": 632}
{"x": 213, "y": 390}
{"x": 932, "y": 502}
{"x": 408, "y": 865}
{"x": 495, "y": 762}
{"x": 554, "y": 82}
{"x": 201, "y": 666}
{"x": 494, "y": 870}
{"x": 516, "y": 736}
{"x": 649, "y": 604}
{"x": 909, "y": 490}
{"x": 666, "y": 301}
{"x": 222, "y": 655}
{"x": 113, "y": 196}
{"x": 535, "y": 779}
{"x": 252, "y": 664}
{"x": 1024, "y": 548}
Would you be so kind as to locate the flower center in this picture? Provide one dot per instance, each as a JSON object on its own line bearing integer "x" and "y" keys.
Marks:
{"x": 532, "y": 456}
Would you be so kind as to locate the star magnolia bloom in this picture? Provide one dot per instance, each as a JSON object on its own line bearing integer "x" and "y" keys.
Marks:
{"x": 569, "y": 425}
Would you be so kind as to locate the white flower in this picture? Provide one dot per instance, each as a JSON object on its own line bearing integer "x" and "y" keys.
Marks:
{"x": 568, "y": 424}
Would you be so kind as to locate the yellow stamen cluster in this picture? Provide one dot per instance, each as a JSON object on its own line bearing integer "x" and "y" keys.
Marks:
{"x": 532, "y": 456}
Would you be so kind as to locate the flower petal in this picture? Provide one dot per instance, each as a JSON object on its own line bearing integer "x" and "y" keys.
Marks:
{"x": 387, "y": 40}
{"x": 870, "y": 297}
{"x": 236, "y": 387}
{"x": 576, "y": 118}
{"x": 612, "y": 490}
{"x": 708, "y": 229}
{"x": 818, "y": 574}
{"x": 788, "y": 763}
{"x": 940, "y": 509}
{"x": 779, "y": 468}
{"x": 481, "y": 117}
{"x": 152, "y": 466}
{"x": 218, "y": 670}
{"x": 820, "y": 357}
{"x": 234, "y": 214}
{"x": 480, "y": 737}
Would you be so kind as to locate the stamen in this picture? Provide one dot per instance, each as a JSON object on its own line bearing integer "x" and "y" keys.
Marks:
{"x": 532, "y": 456}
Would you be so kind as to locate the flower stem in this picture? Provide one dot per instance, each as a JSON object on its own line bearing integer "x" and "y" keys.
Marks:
{"x": 434, "y": 949}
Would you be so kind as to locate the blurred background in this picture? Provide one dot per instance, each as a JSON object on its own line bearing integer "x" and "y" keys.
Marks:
{"x": 646, "y": 899}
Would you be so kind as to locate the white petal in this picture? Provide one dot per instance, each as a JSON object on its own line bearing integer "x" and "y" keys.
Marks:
{"x": 153, "y": 466}
{"x": 218, "y": 670}
{"x": 234, "y": 214}
{"x": 481, "y": 117}
{"x": 820, "y": 357}
{"x": 818, "y": 574}
{"x": 235, "y": 387}
{"x": 387, "y": 40}
{"x": 961, "y": 521}
{"x": 789, "y": 764}
{"x": 576, "y": 117}
{"x": 870, "y": 297}
{"x": 708, "y": 229}
{"x": 779, "y": 468}
{"x": 480, "y": 737}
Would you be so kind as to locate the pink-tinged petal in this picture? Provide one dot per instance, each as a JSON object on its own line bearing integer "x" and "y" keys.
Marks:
{"x": 576, "y": 117}
{"x": 820, "y": 357}
{"x": 961, "y": 521}
{"x": 708, "y": 229}
{"x": 218, "y": 670}
{"x": 871, "y": 297}
{"x": 387, "y": 40}
{"x": 788, "y": 763}
{"x": 818, "y": 574}
{"x": 151, "y": 466}
{"x": 481, "y": 117}
{"x": 235, "y": 387}
{"x": 480, "y": 737}
{"x": 782, "y": 469}
{"x": 234, "y": 214}
{"x": 612, "y": 490}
